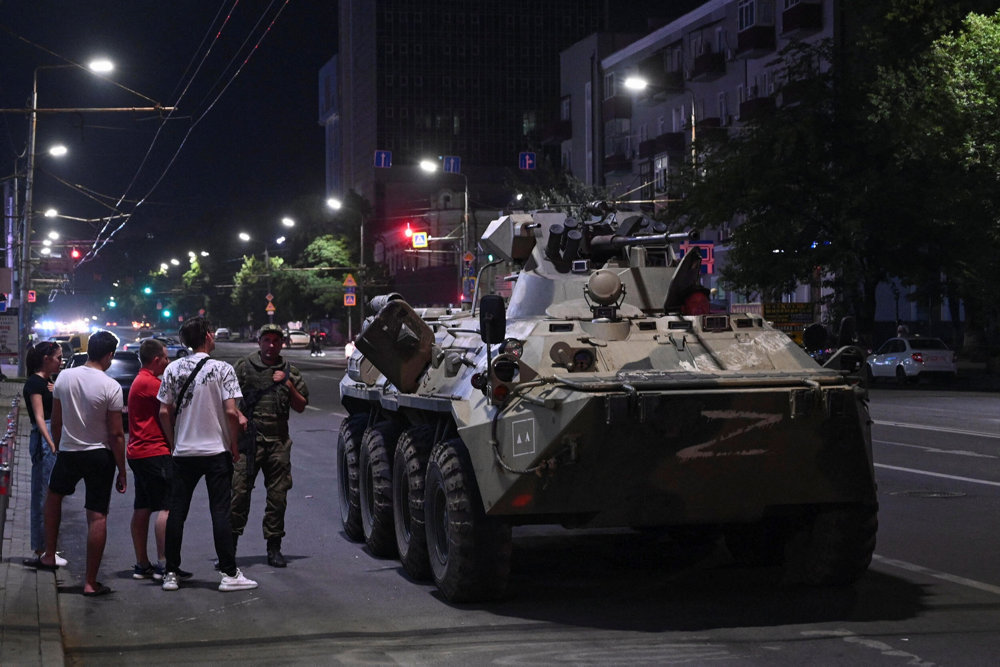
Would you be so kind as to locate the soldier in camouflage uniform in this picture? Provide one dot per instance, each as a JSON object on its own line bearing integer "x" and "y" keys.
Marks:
{"x": 265, "y": 376}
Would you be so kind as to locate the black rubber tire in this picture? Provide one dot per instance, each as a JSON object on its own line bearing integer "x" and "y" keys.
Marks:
{"x": 901, "y": 375}
{"x": 869, "y": 376}
{"x": 409, "y": 468}
{"x": 833, "y": 547}
{"x": 348, "y": 445}
{"x": 469, "y": 552}
{"x": 758, "y": 544}
{"x": 375, "y": 487}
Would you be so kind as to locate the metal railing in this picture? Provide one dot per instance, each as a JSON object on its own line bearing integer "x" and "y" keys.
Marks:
{"x": 6, "y": 463}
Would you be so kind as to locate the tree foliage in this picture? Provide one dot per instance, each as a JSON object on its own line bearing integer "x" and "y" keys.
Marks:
{"x": 883, "y": 165}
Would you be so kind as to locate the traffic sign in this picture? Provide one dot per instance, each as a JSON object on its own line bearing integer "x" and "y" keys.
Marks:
{"x": 270, "y": 307}
{"x": 468, "y": 256}
{"x": 349, "y": 281}
{"x": 707, "y": 250}
{"x": 350, "y": 299}
{"x": 526, "y": 160}
{"x": 383, "y": 159}
{"x": 32, "y": 296}
{"x": 419, "y": 239}
{"x": 269, "y": 297}
{"x": 452, "y": 164}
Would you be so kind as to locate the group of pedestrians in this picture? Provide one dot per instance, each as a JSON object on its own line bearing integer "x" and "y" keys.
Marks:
{"x": 204, "y": 418}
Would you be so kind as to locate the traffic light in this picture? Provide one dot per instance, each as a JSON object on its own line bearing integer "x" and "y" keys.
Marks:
{"x": 74, "y": 253}
{"x": 147, "y": 290}
{"x": 408, "y": 232}
{"x": 112, "y": 303}
{"x": 166, "y": 313}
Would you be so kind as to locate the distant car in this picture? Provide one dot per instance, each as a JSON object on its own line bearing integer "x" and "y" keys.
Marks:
{"x": 909, "y": 359}
{"x": 175, "y": 348}
{"x": 125, "y": 366}
{"x": 222, "y": 333}
{"x": 297, "y": 338}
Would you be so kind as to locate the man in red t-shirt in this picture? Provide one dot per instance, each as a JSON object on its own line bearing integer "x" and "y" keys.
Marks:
{"x": 149, "y": 457}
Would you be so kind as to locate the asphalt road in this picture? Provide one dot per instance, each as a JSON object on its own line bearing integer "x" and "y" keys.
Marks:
{"x": 932, "y": 595}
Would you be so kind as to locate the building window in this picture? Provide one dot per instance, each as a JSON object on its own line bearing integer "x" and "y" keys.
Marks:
{"x": 661, "y": 165}
{"x": 565, "y": 109}
{"x": 678, "y": 119}
{"x": 750, "y": 13}
{"x": 723, "y": 109}
{"x": 610, "y": 87}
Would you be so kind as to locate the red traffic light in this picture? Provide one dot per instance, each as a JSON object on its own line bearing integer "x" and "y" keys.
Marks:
{"x": 408, "y": 233}
{"x": 74, "y": 253}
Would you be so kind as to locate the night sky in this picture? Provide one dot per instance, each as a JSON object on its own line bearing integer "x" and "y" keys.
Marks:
{"x": 245, "y": 148}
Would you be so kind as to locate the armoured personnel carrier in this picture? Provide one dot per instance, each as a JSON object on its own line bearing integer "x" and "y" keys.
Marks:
{"x": 603, "y": 393}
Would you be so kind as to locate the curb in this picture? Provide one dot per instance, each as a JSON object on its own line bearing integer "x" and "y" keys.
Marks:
{"x": 30, "y": 626}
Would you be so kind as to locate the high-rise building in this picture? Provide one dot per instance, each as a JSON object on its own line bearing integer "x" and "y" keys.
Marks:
{"x": 478, "y": 81}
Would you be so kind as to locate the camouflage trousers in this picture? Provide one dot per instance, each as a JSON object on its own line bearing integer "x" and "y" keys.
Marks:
{"x": 275, "y": 461}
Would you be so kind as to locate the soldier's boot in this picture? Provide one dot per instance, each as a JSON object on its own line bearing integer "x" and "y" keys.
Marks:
{"x": 274, "y": 557}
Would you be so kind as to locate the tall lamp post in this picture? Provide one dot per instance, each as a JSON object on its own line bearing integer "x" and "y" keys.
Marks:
{"x": 100, "y": 66}
{"x": 246, "y": 238}
{"x": 336, "y": 205}
{"x": 431, "y": 166}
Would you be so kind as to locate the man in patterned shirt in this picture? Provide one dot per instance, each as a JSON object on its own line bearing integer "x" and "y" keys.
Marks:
{"x": 201, "y": 424}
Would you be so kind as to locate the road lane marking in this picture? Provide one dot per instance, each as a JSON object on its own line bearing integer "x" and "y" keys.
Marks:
{"x": 942, "y": 429}
{"x": 936, "y": 450}
{"x": 944, "y": 576}
{"x": 938, "y": 474}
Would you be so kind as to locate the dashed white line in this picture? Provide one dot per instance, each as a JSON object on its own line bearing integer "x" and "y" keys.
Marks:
{"x": 942, "y": 429}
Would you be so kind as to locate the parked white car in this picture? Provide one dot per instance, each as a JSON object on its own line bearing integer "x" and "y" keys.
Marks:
{"x": 296, "y": 338}
{"x": 222, "y": 333}
{"x": 909, "y": 359}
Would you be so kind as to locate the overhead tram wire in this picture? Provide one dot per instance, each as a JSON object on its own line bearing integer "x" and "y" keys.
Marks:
{"x": 99, "y": 243}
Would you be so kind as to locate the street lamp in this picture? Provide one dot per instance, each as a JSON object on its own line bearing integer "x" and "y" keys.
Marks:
{"x": 431, "y": 166}
{"x": 637, "y": 84}
{"x": 24, "y": 277}
{"x": 336, "y": 204}
{"x": 246, "y": 238}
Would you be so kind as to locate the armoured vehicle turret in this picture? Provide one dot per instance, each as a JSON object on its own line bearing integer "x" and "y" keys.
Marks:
{"x": 604, "y": 392}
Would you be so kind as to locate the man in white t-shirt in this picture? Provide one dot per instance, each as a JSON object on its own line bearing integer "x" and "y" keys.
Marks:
{"x": 87, "y": 429}
{"x": 201, "y": 423}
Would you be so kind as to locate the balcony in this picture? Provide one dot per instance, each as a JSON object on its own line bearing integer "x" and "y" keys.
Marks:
{"x": 756, "y": 107}
{"x": 708, "y": 67}
{"x": 668, "y": 142}
{"x": 617, "y": 106}
{"x": 617, "y": 164}
{"x": 755, "y": 41}
{"x": 802, "y": 19}
{"x": 712, "y": 128}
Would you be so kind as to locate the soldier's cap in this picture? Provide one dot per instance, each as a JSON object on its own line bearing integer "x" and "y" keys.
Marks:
{"x": 270, "y": 329}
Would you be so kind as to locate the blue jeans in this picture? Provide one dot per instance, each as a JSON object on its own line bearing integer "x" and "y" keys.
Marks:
{"x": 42, "y": 461}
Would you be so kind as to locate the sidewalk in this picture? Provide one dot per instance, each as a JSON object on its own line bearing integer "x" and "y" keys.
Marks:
{"x": 30, "y": 632}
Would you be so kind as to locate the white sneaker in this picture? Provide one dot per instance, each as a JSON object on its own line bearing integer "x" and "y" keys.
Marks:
{"x": 236, "y": 583}
{"x": 170, "y": 582}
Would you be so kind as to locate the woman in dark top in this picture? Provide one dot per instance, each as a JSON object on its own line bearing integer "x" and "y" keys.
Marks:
{"x": 42, "y": 362}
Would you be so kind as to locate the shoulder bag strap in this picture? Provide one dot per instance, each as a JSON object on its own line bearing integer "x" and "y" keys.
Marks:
{"x": 187, "y": 383}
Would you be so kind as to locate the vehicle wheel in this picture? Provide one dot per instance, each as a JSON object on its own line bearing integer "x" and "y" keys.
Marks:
{"x": 469, "y": 552}
{"x": 901, "y": 375}
{"x": 409, "y": 468}
{"x": 869, "y": 376}
{"x": 833, "y": 547}
{"x": 758, "y": 544}
{"x": 348, "y": 445}
{"x": 375, "y": 487}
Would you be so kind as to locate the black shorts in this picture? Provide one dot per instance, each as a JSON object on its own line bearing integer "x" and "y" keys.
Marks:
{"x": 96, "y": 467}
{"x": 152, "y": 478}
